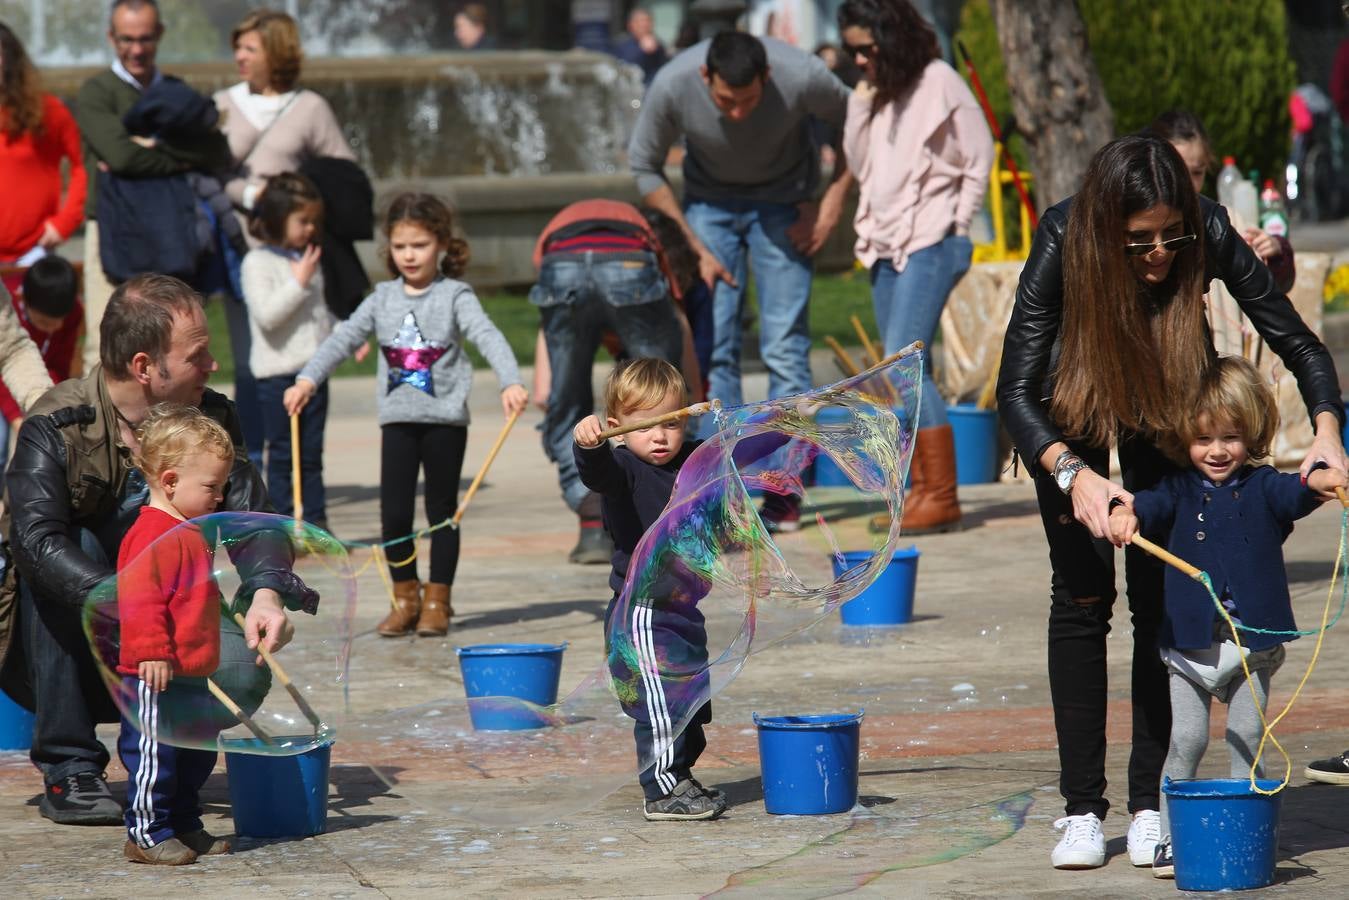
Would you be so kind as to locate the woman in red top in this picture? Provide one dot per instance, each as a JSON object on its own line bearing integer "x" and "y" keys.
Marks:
{"x": 36, "y": 133}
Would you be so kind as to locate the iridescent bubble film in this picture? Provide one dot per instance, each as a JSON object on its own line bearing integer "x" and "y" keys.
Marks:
{"x": 240, "y": 705}
{"x": 709, "y": 585}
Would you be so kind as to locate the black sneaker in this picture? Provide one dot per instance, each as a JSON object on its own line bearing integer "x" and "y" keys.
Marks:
{"x": 1329, "y": 771}
{"x": 1163, "y": 863}
{"x": 81, "y": 799}
{"x": 781, "y": 513}
{"x": 686, "y": 803}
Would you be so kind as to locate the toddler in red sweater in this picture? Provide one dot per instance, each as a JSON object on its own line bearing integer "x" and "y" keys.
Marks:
{"x": 169, "y": 606}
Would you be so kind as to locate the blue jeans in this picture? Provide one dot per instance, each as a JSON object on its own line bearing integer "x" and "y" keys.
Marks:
{"x": 245, "y": 385}
{"x": 580, "y": 296}
{"x": 276, "y": 430}
{"x": 737, "y": 231}
{"x": 909, "y": 304}
{"x": 4, "y": 448}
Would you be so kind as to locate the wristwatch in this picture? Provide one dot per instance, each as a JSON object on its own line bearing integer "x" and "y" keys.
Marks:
{"x": 1066, "y": 468}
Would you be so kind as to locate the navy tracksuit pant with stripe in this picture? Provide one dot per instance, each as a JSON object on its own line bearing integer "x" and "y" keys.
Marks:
{"x": 164, "y": 782}
{"x": 667, "y": 678}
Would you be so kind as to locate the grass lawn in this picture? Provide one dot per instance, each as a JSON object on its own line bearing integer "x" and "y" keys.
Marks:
{"x": 836, "y": 297}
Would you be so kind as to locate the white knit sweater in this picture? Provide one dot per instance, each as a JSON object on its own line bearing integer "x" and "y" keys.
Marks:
{"x": 288, "y": 322}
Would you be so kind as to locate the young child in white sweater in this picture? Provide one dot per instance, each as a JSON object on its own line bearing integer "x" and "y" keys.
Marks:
{"x": 288, "y": 320}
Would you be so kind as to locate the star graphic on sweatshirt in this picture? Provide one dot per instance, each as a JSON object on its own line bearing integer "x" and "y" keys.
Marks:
{"x": 410, "y": 357}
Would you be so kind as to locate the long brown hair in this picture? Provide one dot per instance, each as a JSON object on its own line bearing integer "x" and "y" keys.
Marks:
{"x": 20, "y": 88}
{"x": 905, "y": 44}
{"x": 1132, "y": 355}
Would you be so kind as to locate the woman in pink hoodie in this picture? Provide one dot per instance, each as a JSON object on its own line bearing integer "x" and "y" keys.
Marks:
{"x": 918, "y": 144}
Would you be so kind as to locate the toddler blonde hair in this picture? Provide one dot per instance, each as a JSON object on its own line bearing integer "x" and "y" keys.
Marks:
{"x": 1234, "y": 391}
{"x": 641, "y": 384}
{"x": 171, "y": 433}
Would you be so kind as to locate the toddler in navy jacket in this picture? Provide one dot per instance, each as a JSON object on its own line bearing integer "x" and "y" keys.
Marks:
{"x": 1229, "y": 518}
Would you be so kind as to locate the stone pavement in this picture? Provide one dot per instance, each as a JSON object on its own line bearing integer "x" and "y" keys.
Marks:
{"x": 959, "y": 770}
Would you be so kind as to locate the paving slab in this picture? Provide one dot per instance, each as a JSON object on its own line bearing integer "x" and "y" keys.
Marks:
{"x": 958, "y": 771}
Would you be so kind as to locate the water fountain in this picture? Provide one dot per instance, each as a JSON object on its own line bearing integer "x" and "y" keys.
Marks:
{"x": 509, "y": 136}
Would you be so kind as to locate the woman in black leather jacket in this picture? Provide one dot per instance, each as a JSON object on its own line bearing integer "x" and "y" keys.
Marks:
{"x": 1106, "y": 340}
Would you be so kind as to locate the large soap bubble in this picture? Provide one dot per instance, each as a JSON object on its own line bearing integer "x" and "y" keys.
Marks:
{"x": 240, "y": 706}
{"x": 709, "y": 585}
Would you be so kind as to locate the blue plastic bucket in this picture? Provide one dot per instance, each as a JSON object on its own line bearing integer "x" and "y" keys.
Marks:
{"x": 809, "y": 763}
{"x": 976, "y": 437}
{"x": 1224, "y": 836}
{"x": 278, "y": 796}
{"x": 827, "y": 472}
{"x": 527, "y": 671}
{"x": 16, "y": 725}
{"x": 889, "y": 599}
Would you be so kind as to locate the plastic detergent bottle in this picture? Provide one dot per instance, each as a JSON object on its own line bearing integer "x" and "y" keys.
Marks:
{"x": 1245, "y": 208}
{"x": 1273, "y": 216}
{"x": 1227, "y": 181}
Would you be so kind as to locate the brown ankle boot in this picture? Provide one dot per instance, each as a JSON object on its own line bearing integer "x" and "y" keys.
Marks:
{"x": 407, "y": 603}
{"x": 932, "y": 505}
{"x": 436, "y": 611}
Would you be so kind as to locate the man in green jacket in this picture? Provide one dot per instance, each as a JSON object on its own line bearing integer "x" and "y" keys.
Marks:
{"x": 134, "y": 32}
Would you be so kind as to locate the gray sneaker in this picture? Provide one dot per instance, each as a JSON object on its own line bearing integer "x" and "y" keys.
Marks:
{"x": 686, "y": 803}
{"x": 81, "y": 799}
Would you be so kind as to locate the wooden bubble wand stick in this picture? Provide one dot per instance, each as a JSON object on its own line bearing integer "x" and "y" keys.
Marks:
{"x": 679, "y": 415}
{"x": 239, "y": 714}
{"x": 282, "y": 677}
{"x": 482, "y": 472}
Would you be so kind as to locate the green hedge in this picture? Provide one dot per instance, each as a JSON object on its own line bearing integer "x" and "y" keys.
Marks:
{"x": 1227, "y": 61}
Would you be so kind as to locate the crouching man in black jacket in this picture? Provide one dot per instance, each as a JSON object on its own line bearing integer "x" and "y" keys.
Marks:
{"x": 72, "y": 494}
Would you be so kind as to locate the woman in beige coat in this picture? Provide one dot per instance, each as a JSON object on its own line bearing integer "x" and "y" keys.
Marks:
{"x": 272, "y": 126}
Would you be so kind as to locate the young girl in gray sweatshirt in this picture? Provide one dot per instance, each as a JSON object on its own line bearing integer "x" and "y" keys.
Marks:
{"x": 420, "y": 320}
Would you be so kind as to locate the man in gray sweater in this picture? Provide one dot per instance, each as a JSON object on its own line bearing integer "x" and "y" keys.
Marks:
{"x": 751, "y": 173}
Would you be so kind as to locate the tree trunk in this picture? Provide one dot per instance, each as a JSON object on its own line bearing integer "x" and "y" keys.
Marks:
{"x": 1057, "y": 96}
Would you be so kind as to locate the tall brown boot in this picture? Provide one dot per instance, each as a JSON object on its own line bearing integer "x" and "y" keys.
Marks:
{"x": 880, "y": 524}
{"x": 407, "y": 603}
{"x": 436, "y": 611}
{"x": 932, "y": 505}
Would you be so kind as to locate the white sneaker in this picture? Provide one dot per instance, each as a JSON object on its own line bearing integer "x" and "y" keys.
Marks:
{"x": 1144, "y": 833}
{"x": 1082, "y": 845}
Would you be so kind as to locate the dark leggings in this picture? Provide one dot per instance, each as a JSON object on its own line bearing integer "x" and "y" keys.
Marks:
{"x": 1083, "y": 569}
{"x": 439, "y": 451}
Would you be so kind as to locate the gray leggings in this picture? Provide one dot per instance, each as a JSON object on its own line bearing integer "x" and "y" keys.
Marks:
{"x": 1189, "y": 725}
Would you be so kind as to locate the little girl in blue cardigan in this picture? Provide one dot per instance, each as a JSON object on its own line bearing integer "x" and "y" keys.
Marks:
{"x": 1229, "y": 518}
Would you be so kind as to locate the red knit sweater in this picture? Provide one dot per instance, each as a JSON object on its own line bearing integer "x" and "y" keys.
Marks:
{"x": 30, "y": 170}
{"x": 167, "y": 598}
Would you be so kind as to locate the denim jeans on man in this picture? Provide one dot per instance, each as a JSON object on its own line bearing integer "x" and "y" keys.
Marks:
{"x": 735, "y": 230}
{"x": 580, "y": 296}
{"x": 245, "y": 385}
{"x": 276, "y": 431}
{"x": 909, "y": 304}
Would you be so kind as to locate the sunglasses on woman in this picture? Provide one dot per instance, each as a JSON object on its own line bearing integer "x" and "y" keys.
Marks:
{"x": 1170, "y": 246}
{"x": 864, "y": 50}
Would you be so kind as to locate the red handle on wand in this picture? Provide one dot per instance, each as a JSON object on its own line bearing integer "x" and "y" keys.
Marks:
{"x": 997, "y": 133}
